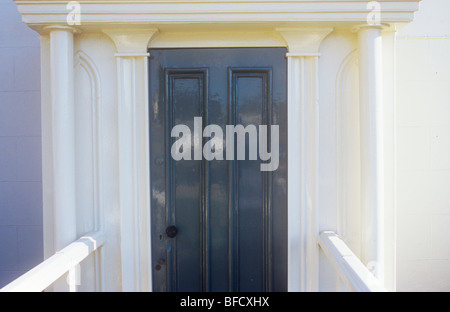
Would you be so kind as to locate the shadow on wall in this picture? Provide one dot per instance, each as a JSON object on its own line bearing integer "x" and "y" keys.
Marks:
{"x": 21, "y": 241}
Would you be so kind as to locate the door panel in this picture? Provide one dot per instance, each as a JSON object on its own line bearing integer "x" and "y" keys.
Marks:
{"x": 230, "y": 215}
{"x": 185, "y": 209}
{"x": 250, "y": 90}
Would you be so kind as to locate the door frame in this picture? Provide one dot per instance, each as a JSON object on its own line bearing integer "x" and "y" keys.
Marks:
{"x": 303, "y": 44}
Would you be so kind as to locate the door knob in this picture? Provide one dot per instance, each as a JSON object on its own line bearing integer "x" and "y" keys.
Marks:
{"x": 172, "y": 231}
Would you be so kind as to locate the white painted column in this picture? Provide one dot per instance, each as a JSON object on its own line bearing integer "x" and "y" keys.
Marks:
{"x": 303, "y": 151}
{"x": 63, "y": 136}
{"x": 371, "y": 124}
{"x": 62, "y": 141}
{"x": 132, "y": 108}
{"x": 133, "y": 142}
{"x": 302, "y": 163}
{"x": 295, "y": 175}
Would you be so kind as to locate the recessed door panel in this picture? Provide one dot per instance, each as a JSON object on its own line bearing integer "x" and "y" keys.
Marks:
{"x": 185, "y": 91}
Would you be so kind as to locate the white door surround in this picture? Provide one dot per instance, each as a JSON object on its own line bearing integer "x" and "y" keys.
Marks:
{"x": 119, "y": 120}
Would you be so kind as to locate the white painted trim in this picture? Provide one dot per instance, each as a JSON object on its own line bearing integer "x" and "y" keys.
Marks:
{"x": 85, "y": 62}
{"x": 302, "y": 54}
{"x": 302, "y": 203}
{"x": 304, "y": 45}
{"x": 303, "y": 153}
{"x": 351, "y": 270}
{"x": 304, "y": 41}
{"x": 63, "y": 135}
{"x": 130, "y": 238}
{"x": 132, "y": 54}
{"x": 295, "y": 175}
{"x": 389, "y": 128}
{"x": 372, "y": 157}
{"x": 134, "y": 169}
{"x": 215, "y": 11}
{"x": 46, "y": 273}
{"x": 341, "y": 151}
{"x": 131, "y": 42}
{"x": 348, "y": 203}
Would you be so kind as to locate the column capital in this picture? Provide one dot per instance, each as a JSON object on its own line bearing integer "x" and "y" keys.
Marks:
{"x": 49, "y": 29}
{"x": 304, "y": 41}
{"x": 131, "y": 42}
{"x": 369, "y": 26}
{"x": 60, "y": 27}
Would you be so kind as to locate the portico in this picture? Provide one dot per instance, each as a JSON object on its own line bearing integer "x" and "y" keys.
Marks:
{"x": 96, "y": 142}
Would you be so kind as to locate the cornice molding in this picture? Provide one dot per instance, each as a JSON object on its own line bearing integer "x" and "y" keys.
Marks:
{"x": 37, "y": 13}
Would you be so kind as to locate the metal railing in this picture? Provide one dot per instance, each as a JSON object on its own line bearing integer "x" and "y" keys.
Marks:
{"x": 48, "y": 272}
{"x": 349, "y": 267}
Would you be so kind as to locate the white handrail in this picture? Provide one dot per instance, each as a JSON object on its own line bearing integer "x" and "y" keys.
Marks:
{"x": 46, "y": 273}
{"x": 348, "y": 265}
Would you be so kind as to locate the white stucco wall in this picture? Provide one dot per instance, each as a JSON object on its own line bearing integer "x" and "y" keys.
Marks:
{"x": 20, "y": 146}
{"x": 423, "y": 150}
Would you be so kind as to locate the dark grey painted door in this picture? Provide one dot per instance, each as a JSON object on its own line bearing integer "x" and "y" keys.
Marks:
{"x": 217, "y": 225}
